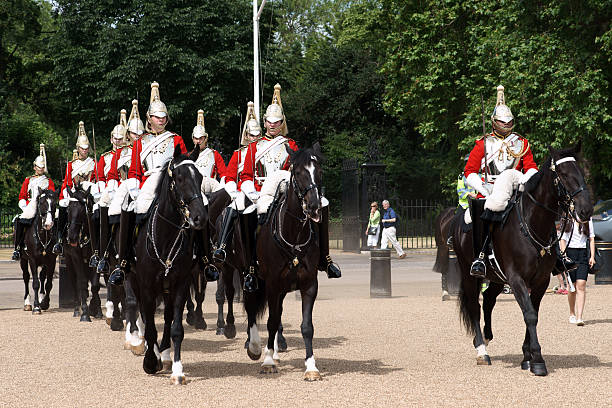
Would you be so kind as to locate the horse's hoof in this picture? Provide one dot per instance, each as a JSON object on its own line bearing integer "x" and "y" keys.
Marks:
{"x": 178, "y": 380}
{"x": 220, "y": 331}
{"x": 483, "y": 360}
{"x": 98, "y": 314}
{"x": 312, "y": 376}
{"x": 138, "y": 350}
{"x": 268, "y": 369}
{"x": 27, "y": 308}
{"x": 127, "y": 345}
{"x": 276, "y": 361}
{"x": 85, "y": 318}
{"x": 116, "y": 325}
{"x": 44, "y": 305}
{"x": 282, "y": 345}
{"x": 36, "y": 311}
{"x": 252, "y": 355}
{"x": 525, "y": 365}
{"x": 230, "y": 331}
{"x": 190, "y": 319}
{"x": 539, "y": 369}
{"x": 109, "y": 320}
{"x": 151, "y": 368}
{"x": 487, "y": 341}
{"x": 167, "y": 365}
{"x": 200, "y": 324}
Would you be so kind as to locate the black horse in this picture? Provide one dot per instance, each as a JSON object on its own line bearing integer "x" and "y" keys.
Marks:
{"x": 39, "y": 240}
{"x": 78, "y": 251}
{"x": 164, "y": 251}
{"x": 442, "y": 226}
{"x": 288, "y": 254}
{"x": 524, "y": 249}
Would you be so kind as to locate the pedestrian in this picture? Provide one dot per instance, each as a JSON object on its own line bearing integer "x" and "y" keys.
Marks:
{"x": 373, "y": 228}
{"x": 389, "y": 222}
{"x": 575, "y": 238}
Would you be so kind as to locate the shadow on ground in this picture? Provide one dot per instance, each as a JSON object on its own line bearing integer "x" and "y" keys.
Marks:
{"x": 555, "y": 361}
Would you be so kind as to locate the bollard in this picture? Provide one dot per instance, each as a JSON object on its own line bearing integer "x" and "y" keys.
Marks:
{"x": 604, "y": 276}
{"x": 454, "y": 274}
{"x": 380, "y": 273}
{"x": 66, "y": 289}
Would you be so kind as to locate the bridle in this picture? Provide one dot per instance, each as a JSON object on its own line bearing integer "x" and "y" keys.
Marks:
{"x": 565, "y": 200}
{"x": 183, "y": 205}
{"x": 83, "y": 238}
{"x": 48, "y": 233}
{"x": 301, "y": 193}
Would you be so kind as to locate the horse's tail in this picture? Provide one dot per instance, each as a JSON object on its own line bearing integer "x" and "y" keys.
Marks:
{"x": 441, "y": 264}
{"x": 442, "y": 227}
{"x": 255, "y": 302}
{"x": 465, "y": 310}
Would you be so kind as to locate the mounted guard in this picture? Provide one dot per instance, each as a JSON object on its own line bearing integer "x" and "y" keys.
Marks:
{"x": 266, "y": 166}
{"x": 149, "y": 154}
{"x": 27, "y": 198}
{"x": 209, "y": 163}
{"x": 79, "y": 171}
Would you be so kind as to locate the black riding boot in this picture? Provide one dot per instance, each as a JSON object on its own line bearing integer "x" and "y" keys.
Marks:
{"x": 325, "y": 262}
{"x": 103, "y": 263}
{"x": 479, "y": 268}
{"x": 95, "y": 242}
{"x": 127, "y": 224}
{"x": 250, "y": 233}
{"x": 202, "y": 242}
{"x": 19, "y": 235}
{"x": 227, "y": 231}
{"x": 61, "y": 227}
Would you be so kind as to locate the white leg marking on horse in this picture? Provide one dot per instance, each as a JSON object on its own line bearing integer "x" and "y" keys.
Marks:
{"x": 140, "y": 325}
{"x": 110, "y": 308}
{"x": 165, "y": 355}
{"x": 156, "y": 350}
{"x": 26, "y": 301}
{"x": 255, "y": 342}
{"x": 311, "y": 364}
{"x": 128, "y": 334}
{"x": 276, "y": 357}
{"x": 177, "y": 369}
{"x": 268, "y": 358}
{"x": 481, "y": 350}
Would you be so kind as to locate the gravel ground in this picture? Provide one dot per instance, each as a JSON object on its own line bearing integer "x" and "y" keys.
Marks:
{"x": 408, "y": 350}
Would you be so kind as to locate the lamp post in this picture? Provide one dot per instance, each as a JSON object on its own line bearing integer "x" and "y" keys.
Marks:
{"x": 256, "y": 15}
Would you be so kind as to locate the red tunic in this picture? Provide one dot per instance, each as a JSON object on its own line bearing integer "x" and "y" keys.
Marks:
{"x": 113, "y": 173}
{"x": 136, "y": 170}
{"x": 248, "y": 172}
{"x": 102, "y": 164}
{"x": 24, "y": 194}
{"x": 474, "y": 162}
{"x": 68, "y": 178}
{"x": 231, "y": 171}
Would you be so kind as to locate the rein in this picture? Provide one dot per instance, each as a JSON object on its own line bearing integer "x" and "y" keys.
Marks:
{"x": 48, "y": 236}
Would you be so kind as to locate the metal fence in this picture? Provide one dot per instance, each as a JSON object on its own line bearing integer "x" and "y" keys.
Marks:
{"x": 415, "y": 229}
{"x": 6, "y": 229}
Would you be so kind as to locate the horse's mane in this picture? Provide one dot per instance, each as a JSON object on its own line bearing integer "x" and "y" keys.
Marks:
{"x": 544, "y": 168}
{"x": 304, "y": 155}
{"x": 163, "y": 182}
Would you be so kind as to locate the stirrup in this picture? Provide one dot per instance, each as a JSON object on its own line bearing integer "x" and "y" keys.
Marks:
{"x": 117, "y": 276}
{"x": 16, "y": 255}
{"x": 219, "y": 254}
{"x": 449, "y": 242}
{"x": 102, "y": 265}
{"x": 58, "y": 249}
{"x": 94, "y": 260}
{"x": 478, "y": 268}
{"x": 250, "y": 281}
{"x": 211, "y": 273}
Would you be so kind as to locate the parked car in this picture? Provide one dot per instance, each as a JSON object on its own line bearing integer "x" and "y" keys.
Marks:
{"x": 602, "y": 221}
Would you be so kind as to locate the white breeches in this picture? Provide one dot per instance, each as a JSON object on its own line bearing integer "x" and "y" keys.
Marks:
{"x": 268, "y": 189}
{"x": 147, "y": 193}
{"x": 30, "y": 210}
{"x": 117, "y": 199}
{"x": 503, "y": 188}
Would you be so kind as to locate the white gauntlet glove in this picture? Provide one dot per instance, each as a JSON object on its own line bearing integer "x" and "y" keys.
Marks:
{"x": 22, "y": 204}
{"x": 231, "y": 189}
{"x": 248, "y": 187}
{"x": 132, "y": 185}
{"x": 475, "y": 182}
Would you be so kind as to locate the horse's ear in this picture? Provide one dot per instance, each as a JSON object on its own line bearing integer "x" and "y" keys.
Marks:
{"x": 195, "y": 153}
{"x": 177, "y": 151}
{"x": 316, "y": 148}
{"x": 551, "y": 150}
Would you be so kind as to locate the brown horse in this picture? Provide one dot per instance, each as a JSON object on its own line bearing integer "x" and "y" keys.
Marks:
{"x": 524, "y": 250}
{"x": 442, "y": 225}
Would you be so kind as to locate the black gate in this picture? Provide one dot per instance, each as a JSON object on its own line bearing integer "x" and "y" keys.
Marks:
{"x": 351, "y": 227}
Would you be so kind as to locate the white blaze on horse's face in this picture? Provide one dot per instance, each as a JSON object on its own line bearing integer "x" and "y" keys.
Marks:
{"x": 311, "y": 170}
{"x": 48, "y": 219}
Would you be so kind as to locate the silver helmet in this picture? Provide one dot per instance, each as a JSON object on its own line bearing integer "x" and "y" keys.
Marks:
{"x": 251, "y": 130}
{"x": 119, "y": 131}
{"x": 134, "y": 124}
{"x": 156, "y": 106}
{"x": 502, "y": 118}
{"x": 274, "y": 111}
{"x": 199, "y": 131}
{"x": 82, "y": 139}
